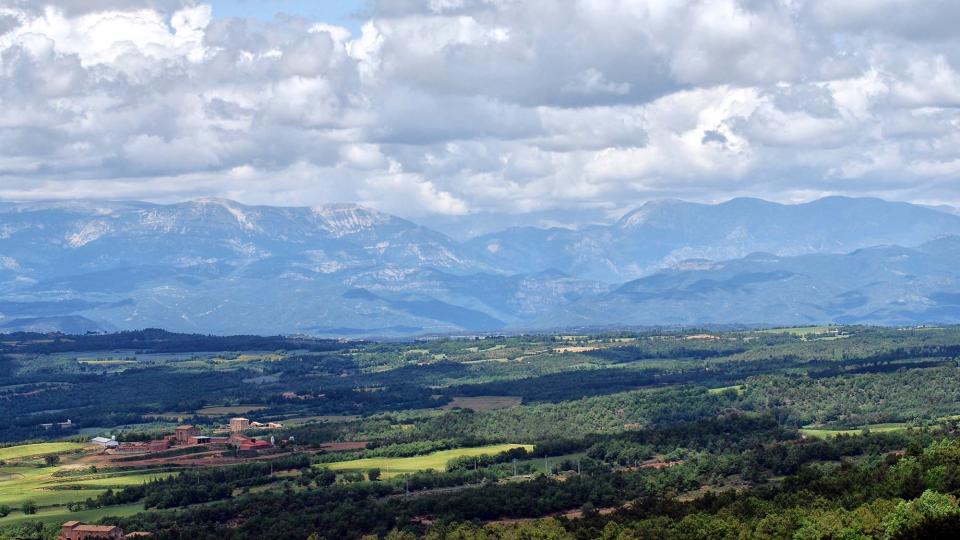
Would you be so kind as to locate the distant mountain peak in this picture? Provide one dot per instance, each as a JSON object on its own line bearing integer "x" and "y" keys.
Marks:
{"x": 640, "y": 216}
{"x": 244, "y": 215}
{"x": 221, "y": 201}
{"x": 217, "y": 265}
{"x": 341, "y": 219}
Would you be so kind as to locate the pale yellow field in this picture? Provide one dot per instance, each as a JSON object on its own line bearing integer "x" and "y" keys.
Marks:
{"x": 573, "y": 349}
{"x": 436, "y": 461}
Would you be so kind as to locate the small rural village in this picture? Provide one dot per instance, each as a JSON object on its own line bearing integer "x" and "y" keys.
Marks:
{"x": 498, "y": 433}
{"x": 191, "y": 436}
{"x": 216, "y": 449}
{"x": 185, "y": 447}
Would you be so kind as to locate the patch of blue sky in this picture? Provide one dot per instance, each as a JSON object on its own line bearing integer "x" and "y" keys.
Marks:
{"x": 346, "y": 13}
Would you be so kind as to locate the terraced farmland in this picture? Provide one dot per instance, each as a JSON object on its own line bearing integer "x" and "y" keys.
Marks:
{"x": 52, "y": 488}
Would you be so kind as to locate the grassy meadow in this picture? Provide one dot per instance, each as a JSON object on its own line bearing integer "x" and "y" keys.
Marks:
{"x": 822, "y": 433}
{"x": 36, "y": 450}
{"x": 436, "y": 460}
{"x": 23, "y": 478}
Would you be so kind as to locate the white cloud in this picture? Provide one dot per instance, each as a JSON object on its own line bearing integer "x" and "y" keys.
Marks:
{"x": 455, "y": 106}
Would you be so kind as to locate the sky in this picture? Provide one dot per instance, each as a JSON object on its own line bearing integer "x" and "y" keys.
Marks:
{"x": 458, "y": 107}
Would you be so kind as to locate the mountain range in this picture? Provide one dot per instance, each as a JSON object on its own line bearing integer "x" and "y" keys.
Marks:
{"x": 217, "y": 266}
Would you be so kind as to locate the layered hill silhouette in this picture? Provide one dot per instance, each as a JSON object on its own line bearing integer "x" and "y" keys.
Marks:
{"x": 216, "y": 266}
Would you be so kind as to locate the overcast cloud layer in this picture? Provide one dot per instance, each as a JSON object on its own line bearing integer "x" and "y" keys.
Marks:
{"x": 458, "y": 106}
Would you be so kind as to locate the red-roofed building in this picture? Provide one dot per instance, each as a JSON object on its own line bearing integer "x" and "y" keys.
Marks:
{"x": 74, "y": 530}
{"x": 161, "y": 445}
{"x": 199, "y": 439}
{"x": 255, "y": 445}
{"x": 183, "y": 433}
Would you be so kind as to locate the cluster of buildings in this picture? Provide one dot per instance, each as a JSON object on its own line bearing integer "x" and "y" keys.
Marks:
{"x": 74, "y": 530}
{"x": 302, "y": 397}
{"x": 187, "y": 435}
{"x": 190, "y": 436}
{"x": 62, "y": 425}
{"x": 105, "y": 443}
{"x": 238, "y": 425}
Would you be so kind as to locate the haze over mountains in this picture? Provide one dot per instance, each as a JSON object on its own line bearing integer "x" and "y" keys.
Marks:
{"x": 217, "y": 266}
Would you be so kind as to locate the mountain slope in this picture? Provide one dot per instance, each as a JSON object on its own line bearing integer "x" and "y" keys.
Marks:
{"x": 663, "y": 233}
{"x": 881, "y": 285}
{"x": 217, "y": 266}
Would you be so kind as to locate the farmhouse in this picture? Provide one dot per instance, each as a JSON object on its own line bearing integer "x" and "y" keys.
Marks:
{"x": 269, "y": 425}
{"x": 247, "y": 444}
{"x": 183, "y": 433}
{"x": 105, "y": 442}
{"x": 74, "y": 530}
{"x": 239, "y": 424}
{"x": 62, "y": 425}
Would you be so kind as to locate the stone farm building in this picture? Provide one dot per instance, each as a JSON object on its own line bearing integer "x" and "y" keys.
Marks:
{"x": 183, "y": 433}
{"x": 239, "y": 424}
{"x": 74, "y": 530}
{"x": 105, "y": 442}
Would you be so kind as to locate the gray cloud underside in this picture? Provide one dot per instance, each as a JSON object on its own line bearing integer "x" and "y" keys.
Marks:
{"x": 457, "y": 106}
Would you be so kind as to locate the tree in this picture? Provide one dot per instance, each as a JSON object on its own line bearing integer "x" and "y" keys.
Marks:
{"x": 373, "y": 474}
{"x": 325, "y": 477}
{"x": 29, "y": 508}
{"x": 5, "y": 510}
{"x": 588, "y": 510}
{"x": 51, "y": 460}
{"x": 919, "y": 518}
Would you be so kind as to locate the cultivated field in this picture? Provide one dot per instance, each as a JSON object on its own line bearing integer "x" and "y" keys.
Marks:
{"x": 820, "y": 433}
{"x": 19, "y": 483}
{"x": 801, "y": 330}
{"x": 40, "y": 449}
{"x": 23, "y": 478}
{"x": 436, "y": 461}
{"x": 484, "y": 403}
{"x": 59, "y": 514}
{"x": 226, "y": 411}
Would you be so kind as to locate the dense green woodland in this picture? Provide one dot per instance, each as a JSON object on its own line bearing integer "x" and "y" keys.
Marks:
{"x": 654, "y": 434}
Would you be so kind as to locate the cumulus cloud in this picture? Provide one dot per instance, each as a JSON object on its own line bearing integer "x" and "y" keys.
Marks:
{"x": 447, "y": 107}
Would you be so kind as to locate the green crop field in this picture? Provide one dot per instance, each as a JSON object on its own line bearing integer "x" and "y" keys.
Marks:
{"x": 436, "y": 461}
{"x": 225, "y": 411}
{"x": 821, "y": 433}
{"x": 40, "y": 485}
{"x": 40, "y": 449}
{"x": 115, "y": 481}
{"x": 738, "y": 388}
{"x": 59, "y": 514}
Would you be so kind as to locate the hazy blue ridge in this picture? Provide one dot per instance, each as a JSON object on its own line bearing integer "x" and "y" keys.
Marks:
{"x": 217, "y": 266}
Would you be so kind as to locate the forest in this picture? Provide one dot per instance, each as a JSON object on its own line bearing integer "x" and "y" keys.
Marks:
{"x": 831, "y": 432}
